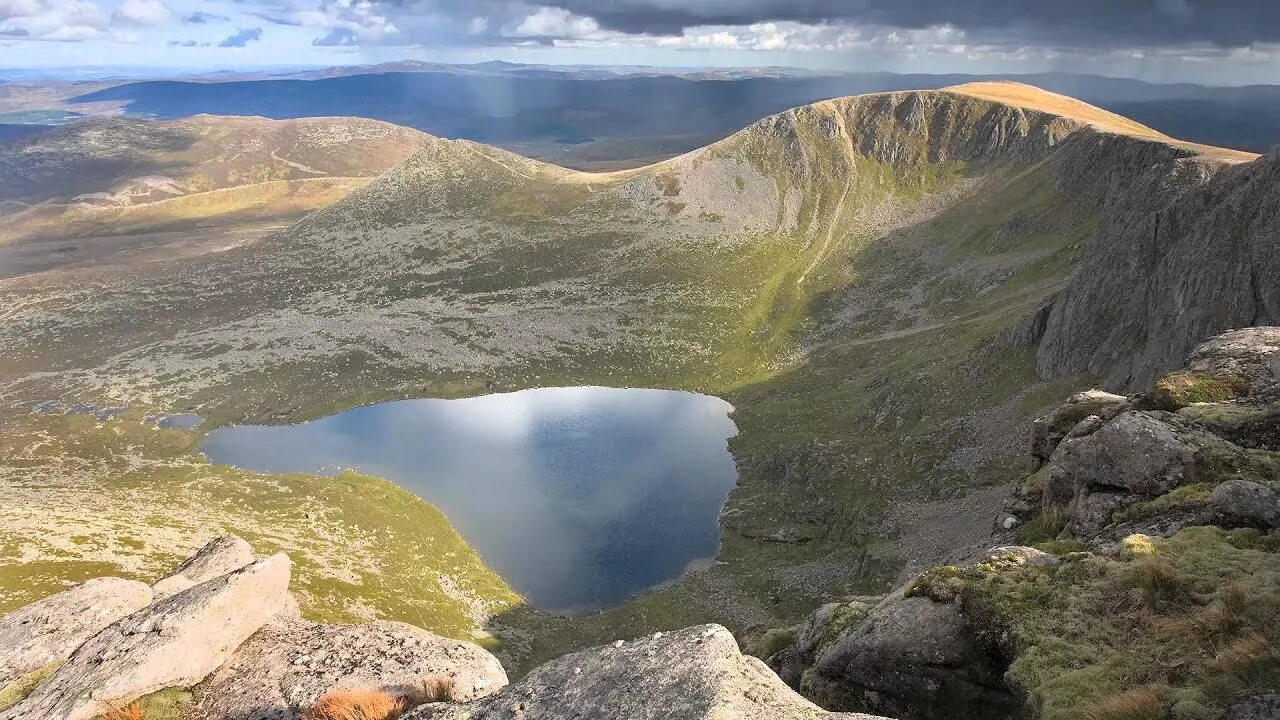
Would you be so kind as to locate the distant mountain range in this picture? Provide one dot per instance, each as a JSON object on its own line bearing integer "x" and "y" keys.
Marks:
{"x": 628, "y": 114}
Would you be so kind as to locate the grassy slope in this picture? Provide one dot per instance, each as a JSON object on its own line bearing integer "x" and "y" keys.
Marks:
{"x": 847, "y": 276}
{"x": 150, "y": 175}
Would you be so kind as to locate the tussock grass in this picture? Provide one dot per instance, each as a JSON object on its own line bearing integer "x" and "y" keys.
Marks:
{"x": 432, "y": 689}
{"x": 1136, "y": 704}
{"x": 355, "y": 705}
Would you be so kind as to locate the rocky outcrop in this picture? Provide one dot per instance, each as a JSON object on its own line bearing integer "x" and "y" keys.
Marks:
{"x": 219, "y": 557}
{"x": 1117, "y": 476}
{"x": 1203, "y": 459}
{"x": 1050, "y": 429}
{"x": 49, "y": 630}
{"x": 913, "y": 653}
{"x": 693, "y": 674}
{"x": 174, "y": 643}
{"x": 287, "y": 666}
{"x": 1252, "y": 354}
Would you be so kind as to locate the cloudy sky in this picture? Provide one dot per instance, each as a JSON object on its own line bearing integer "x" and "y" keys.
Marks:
{"x": 1214, "y": 41}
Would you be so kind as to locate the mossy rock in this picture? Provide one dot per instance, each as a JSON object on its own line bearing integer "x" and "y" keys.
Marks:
{"x": 18, "y": 690}
{"x": 940, "y": 584}
{"x": 1182, "y": 499}
{"x": 844, "y": 617}
{"x": 770, "y": 642}
{"x": 1188, "y": 626}
{"x": 1178, "y": 390}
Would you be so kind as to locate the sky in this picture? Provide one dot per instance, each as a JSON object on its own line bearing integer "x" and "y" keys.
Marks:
{"x": 1223, "y": 42}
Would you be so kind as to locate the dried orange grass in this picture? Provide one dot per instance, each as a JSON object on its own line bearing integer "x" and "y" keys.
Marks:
{"x": 356, "y": 705}
{"x": 132, "y": 711}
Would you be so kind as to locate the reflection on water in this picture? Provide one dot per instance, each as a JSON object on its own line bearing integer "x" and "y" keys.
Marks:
{"x": 578, "y": 497}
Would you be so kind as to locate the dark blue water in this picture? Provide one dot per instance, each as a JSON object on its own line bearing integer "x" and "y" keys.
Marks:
{"x": 579, "y": 497}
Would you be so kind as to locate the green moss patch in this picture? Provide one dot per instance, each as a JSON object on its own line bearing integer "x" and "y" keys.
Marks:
{"x": 18, "y": 690}
{"x": 1178, "y": 390}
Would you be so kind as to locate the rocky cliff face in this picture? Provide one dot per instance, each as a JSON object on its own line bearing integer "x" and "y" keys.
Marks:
{"x": 1202, "y": 257}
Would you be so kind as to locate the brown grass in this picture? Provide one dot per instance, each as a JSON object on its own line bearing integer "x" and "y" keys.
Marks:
{"x": 1028, "y": 96}
{"x": 1135, "y": 704}
{"x": 1161, "y": 585}
{"x": 432, "y": 689}
{"x": 356, "y": 705}
{"x": 1248, "y": 664}
{"x": 132, "y": 711}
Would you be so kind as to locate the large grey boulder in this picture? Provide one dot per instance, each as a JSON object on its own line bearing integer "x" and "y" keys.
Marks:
{"x": 1243, "y": 502}
{"x": 219, "y": 557}
{"x": 49, "y": 630}
{"x": 285, "y": 668}
{"x": 176, "y": 642}
{"x": 1136, "y": 452}
{"x": 913, "y": 657}
{"x": 692, "y": 674}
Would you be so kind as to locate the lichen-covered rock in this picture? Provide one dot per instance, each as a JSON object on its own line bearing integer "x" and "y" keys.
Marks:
{"x": 1243, "y": 502}
{"x": 1252, "y": 354}
{"x": 1092, "y": 510}
{"x": 1136, "y": 452}
{"x": 1049, "y": 429}
{"x": 49, "y": 630}
{"x": 219, "y": 557}
{"x": 914, "y": 657}
{"x": 287, "y": 665}
{"x": 1020, "y": 555}
{"x": 176, "y": 642}
{"x": 692, "y": 674}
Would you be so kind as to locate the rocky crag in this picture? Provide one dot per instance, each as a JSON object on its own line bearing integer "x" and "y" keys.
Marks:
{"x": 1150, "y": 588}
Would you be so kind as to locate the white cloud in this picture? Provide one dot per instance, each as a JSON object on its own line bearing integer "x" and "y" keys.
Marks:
{"x": 142, "y": 12}
{"x": 556, "y": 23}
{"x": 57, "y": 20}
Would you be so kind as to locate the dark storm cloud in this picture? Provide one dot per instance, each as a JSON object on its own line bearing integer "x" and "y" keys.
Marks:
{"x": 1227, "y": 23}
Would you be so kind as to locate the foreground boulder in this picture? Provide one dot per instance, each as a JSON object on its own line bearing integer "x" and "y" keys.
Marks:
{"x": 49, "y": 630}
{"x": 288, "y": 665}
{"x": 692, "y": 674}
{"x": 910, "y": 656}
{"x": 219, "y": 557}
{"x": 176, "y": 642}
